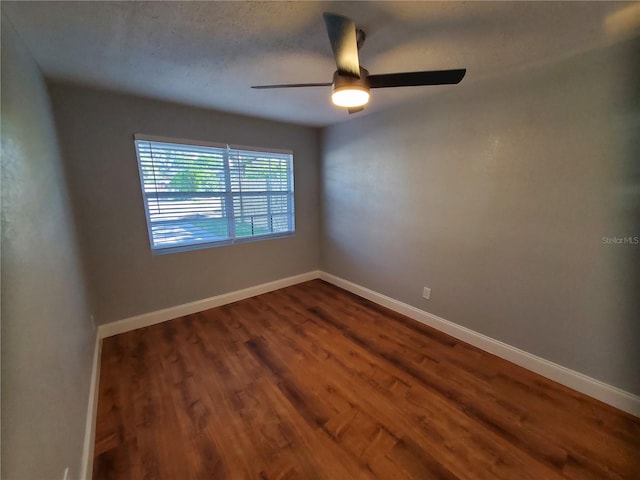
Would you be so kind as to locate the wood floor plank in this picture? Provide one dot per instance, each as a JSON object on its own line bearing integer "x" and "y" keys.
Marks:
{"x": 546, "y": 448}
{"x": 313, "y": 382}
{"x": 589, "y": 442}
{"x": 457, "y": 424}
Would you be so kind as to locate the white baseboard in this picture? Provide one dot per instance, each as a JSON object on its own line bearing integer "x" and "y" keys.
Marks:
{"x": 594, "y": 388}
{"x": 616, "y": 397}
{"x": 92, "y": 411}
{"x": 146, "y": 319}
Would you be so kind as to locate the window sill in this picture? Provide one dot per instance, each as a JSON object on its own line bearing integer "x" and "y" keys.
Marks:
{"x": 222, "y": 243}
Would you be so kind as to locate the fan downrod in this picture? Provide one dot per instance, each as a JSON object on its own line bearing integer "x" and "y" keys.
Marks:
{"x": 360, "y": 38}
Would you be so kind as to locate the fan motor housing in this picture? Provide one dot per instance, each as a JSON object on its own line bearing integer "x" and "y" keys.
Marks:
{"x": 341, "y": 82}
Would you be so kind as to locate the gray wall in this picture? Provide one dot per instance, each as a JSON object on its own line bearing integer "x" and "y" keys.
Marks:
{"x": 496, "y": 195}
{"x": 47, "y": 338}
{"x": 96, "y": 131}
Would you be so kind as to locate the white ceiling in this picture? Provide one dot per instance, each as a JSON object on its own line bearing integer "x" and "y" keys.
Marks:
{"x": 209, "y": 53}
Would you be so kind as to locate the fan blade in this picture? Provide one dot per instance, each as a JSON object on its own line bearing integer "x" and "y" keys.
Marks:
{"x": 411, "y": 79}
{"x": 293, "y": 85}
{"x": 342, "y": 35}
{"x": 354, "y": 110}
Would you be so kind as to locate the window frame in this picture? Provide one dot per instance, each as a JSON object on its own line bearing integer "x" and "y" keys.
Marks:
{"x": 228, "y": 194}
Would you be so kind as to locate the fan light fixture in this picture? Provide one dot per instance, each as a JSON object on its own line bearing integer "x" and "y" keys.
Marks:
{"x": 352, "y": 96}
{"x": 350, "y": 91}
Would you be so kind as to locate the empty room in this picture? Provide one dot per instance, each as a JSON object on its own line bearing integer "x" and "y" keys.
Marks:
{"x": 320, "y": 240}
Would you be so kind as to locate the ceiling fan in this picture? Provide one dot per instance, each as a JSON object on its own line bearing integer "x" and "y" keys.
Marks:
{"x": 351, "y": 82}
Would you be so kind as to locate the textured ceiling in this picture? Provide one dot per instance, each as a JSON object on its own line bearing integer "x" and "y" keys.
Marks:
{"x": 209, "y": 53}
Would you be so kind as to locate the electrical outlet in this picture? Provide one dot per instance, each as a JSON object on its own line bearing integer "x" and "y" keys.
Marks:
{"x": 426, "y": 293}
{"x": 66, "y": 474}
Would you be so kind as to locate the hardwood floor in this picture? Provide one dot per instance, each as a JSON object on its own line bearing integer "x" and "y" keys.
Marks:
{"x": 312, "y": 382}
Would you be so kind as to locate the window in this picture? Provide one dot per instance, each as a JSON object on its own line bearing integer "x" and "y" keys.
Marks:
{"x": 200, "y": 195}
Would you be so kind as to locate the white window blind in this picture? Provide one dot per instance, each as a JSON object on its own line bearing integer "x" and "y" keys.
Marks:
{"x": 206, "y": 195}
